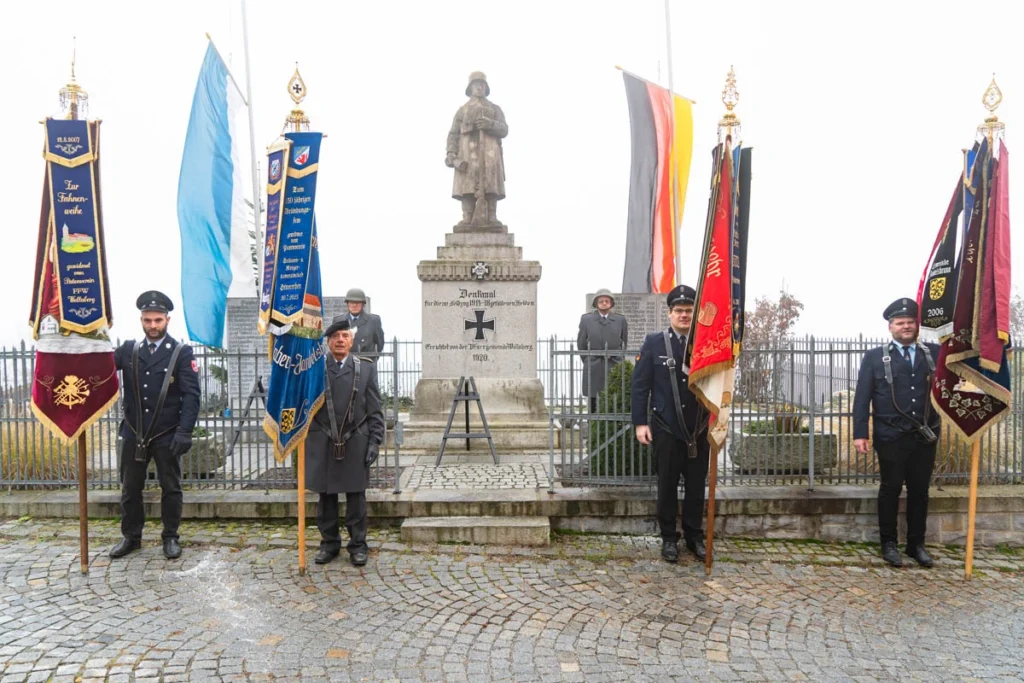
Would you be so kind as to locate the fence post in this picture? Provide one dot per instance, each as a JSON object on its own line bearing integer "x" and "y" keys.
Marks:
{"x": 810, "y": 447}
{"x": 394, "y": 377}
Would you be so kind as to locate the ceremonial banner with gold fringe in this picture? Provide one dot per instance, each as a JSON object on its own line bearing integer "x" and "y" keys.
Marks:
{"x": 290, "y": 297}
{"x": 711, "y": 358}
{"x": 75, "y": 380}
{"x": 972, "y": 381}
{"x": 661, "y": 135}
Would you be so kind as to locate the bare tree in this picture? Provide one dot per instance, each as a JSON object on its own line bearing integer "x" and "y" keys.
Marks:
{"x": 767, "y": 328}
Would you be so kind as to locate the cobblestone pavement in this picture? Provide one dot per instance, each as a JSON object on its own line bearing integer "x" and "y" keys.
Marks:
{"x": 589, "y": 608}
{"x": 480, "y": 476}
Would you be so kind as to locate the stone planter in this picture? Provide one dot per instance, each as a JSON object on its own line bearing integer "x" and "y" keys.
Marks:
{"x": 207, "y": 455}
{"x": 782, "y": 453}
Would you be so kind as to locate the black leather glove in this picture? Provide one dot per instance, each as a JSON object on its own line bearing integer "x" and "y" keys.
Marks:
{"x": 372, "y": 453}
{"x": 181, "y": 445}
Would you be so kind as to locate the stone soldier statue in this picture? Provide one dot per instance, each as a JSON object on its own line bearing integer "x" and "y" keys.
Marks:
{"x": 474, "y": 151}
{"x": 160, "y": 378}
{"x": 600, "y": 330}
{"x": 677, "y": 426}
{"x": 342, "y": 443}
{"x": 367, "y": 331}
{"x": 893, "y": 387}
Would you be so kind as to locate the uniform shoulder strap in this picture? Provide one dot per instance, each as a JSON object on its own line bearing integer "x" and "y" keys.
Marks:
{"x": 927, "y": 357}
{"x": 887, "y": 363}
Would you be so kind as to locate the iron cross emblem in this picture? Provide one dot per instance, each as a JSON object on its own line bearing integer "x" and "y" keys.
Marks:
{"x": 480, "y": 270}
{"x": 479, "y": 325}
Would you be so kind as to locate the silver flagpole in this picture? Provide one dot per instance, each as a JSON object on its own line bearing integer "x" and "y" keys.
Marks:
{"x": 678, "y": 231}
{"x": 256, "y": 194}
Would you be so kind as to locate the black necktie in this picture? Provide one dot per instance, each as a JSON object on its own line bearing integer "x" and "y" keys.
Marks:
{"x": 906, "y": 353}
{"x": 152, "y": 347}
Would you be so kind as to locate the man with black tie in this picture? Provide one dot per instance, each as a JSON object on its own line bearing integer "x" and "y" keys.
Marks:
{"x": 677, "y": 427}
{"x": 343, "y": 441}
{"x": 160, "y": 380}
{"x": 894, "y": 386}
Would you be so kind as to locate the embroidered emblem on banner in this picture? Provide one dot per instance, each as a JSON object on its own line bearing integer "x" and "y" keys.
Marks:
{"x": 301, "y": 155}
{"x": 75, "y": 242}
{"x": 937, "y": 288}
{"x": 287, "y": 420}
{"x": 72, "y": 391}
{"x": 707, "y": 313}
{"x": 275, "y": 170}
{"x": 68, "y": 149}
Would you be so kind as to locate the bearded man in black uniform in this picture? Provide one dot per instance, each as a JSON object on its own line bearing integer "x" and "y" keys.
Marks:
{"x": 894, "y": 387}
{"x": 160, "y": 380}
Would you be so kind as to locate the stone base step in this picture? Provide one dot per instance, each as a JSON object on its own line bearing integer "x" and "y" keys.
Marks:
{"x": 517, "y": 531}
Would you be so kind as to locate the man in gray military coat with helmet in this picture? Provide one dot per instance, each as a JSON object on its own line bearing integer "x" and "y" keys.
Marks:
{"x": 343, "y": 441}
{"x": 367, "y": 330}
{"x": 600, "y": 330}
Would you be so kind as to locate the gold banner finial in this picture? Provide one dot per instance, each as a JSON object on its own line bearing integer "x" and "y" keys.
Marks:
{"x": 992, "y": 128}
{"x": 297, "y": 120}
{"x": 74, "y": 102}
{"x": 730, "y": 98}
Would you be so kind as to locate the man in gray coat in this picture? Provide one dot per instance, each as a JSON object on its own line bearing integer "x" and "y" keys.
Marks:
{"x": 367, "y": 331}
{"x": 343, "y": 441}
{"x": 600, "y": 330}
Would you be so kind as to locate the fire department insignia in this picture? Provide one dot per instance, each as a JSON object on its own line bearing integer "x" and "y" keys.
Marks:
{"x": 936, "y": 288}
{"x": 72, "y": 391}
{"x": 287, "y": 420}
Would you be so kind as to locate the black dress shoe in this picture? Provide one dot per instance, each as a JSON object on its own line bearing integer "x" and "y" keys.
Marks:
{"x": 126, "y": 546}
{"x": 324, "y": 556}
{"x": 891, "y": 554}
{"x": 359, "y": 558}
{"x": 172, "y": 549}
{"x": 697, "y": 548}
{"x": 920, "y": 555}
{"x": 670, "y": 551}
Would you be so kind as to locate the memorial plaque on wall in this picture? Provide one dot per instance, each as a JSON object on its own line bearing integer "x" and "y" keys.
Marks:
{"x": 645, "y": 313}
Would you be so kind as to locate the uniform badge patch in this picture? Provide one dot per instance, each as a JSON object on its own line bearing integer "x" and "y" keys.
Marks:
{"x": 195, "y": 366}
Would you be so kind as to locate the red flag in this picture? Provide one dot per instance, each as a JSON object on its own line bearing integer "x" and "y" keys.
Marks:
{"x": 712, "y": 359}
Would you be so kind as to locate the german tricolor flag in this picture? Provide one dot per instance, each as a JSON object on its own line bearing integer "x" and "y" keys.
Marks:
{"x": 662, "y": 144}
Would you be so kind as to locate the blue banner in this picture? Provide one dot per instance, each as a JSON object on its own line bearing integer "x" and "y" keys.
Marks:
{"x": 296, "y": 390}
{"x": 73, "y": 225}
{"x": 295, "y": 234}
{"x": 277, "y": 166}
{"x": 290, "y": 294}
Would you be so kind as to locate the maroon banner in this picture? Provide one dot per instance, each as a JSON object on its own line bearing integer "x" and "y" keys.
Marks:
{"x": 71, "y": 390}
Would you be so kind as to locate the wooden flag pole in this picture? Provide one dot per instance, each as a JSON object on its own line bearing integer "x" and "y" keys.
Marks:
{"x": 712, "y": 479}
{"x": 302, "y": 509}
{"x": 83, "y": 505}
{"x": 972, "y": 508}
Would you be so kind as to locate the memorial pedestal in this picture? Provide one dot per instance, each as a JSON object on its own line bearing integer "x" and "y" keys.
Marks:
{"x": 479, "y": 300}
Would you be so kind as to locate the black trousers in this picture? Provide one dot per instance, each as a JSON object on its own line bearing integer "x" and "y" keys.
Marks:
{"x": 133, "y": 480}
{"x": 355, "y": 521}
{"x": 908, "y": 461}
{"x": 673, "y": 462}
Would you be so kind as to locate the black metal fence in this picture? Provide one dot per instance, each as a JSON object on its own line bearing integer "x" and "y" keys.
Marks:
{"x": 791, "y": 422}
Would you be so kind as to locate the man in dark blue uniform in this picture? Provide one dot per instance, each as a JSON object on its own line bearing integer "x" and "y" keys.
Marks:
{"x": 894, "y": 386}
{"x": 677, "y": 427}
{"x": 160, "y": 380}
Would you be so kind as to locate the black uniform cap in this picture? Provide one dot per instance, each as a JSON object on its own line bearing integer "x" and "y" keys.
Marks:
{"x": 154, "y": 301}
{"x": 681, "y": 294}
{"x": 901, "y": 308}
{"x": 339, "y": 323}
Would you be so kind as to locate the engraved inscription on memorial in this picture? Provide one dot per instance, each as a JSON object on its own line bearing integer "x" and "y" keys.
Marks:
{"x": 645, "y": 313}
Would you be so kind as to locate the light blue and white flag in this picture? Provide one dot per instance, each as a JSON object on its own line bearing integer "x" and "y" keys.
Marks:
{"x": 216, "y": 261}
